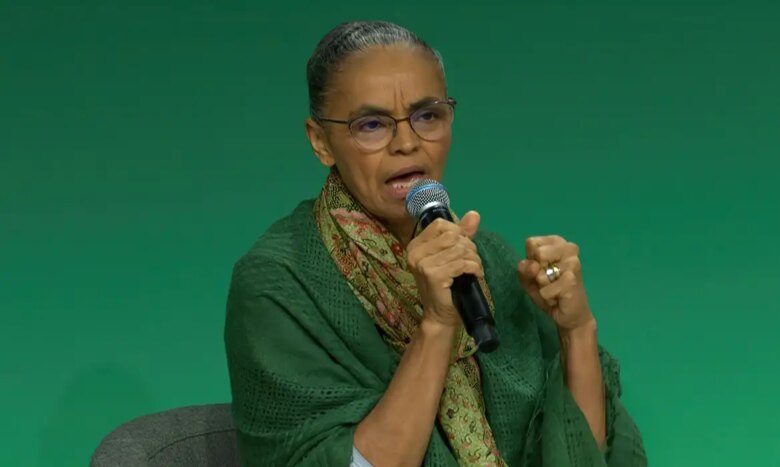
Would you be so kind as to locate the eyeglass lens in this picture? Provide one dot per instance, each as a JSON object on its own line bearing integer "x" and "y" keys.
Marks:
{"x": 430, "y": 123}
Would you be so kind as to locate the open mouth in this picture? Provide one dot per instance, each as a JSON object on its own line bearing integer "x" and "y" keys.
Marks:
{"x": 400, "y": 184}
{"x": 405, "y": 180}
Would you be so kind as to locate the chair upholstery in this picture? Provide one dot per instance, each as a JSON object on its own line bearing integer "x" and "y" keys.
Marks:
{"x": 195, "y": 436}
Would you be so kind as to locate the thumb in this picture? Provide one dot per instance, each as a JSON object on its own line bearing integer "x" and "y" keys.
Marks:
{"x": 470, "y": 223}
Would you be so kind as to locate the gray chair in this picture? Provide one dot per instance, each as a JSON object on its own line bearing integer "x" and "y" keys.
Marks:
{"x": 196, "y": 436}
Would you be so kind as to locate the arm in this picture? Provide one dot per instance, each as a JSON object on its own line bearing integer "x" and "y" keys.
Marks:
{"x": 398, "y": 429}
{"x": 552, "y": 277}
{"x": 582, "y": 370}
{"x": 622, "y": 445}
{"x": 296, "y": 395}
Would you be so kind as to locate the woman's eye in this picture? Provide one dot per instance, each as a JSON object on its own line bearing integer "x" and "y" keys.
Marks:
{"x": 370, "y": 124}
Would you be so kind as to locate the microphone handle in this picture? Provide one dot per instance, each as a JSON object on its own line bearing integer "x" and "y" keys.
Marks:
{"x": 467, "y": 295}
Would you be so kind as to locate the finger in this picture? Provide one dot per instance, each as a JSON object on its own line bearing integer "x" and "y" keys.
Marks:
{"x": 470, "y": 223}
{"x": 528, "y": 270}
{"x": 456, "y": 243}
{"x": 533, "y": 243}
{"x": 465, "y": 266}
{"x": 445, "y": 274}
{"x": 571, "y": 263}
{"x": 550, "y": 253}
{"x": 552, "y": 293}
{"x": 438, "y": 236}
{"x": 436, "y": 228}
{"x": 463, "y": 250}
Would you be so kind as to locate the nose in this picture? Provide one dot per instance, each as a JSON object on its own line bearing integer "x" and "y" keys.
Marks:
{"x": 405, "y": 141}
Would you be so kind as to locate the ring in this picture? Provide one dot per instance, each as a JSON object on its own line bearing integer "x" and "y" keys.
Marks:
{"x": 553, "y": 272}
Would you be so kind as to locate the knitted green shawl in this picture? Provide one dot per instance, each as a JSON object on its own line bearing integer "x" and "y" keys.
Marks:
{"x": 307, "y": 363}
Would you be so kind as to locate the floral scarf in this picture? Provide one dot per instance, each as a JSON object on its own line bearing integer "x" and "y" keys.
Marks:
{"x": 374, "y": 263}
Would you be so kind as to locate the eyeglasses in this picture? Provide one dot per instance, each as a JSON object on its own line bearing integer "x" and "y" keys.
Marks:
{"x": 430, "y": 122}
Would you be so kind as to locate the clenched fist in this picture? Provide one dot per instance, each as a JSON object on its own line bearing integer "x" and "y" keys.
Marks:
{"x": 442, "y": 252}
{"x": 564, "y": 299}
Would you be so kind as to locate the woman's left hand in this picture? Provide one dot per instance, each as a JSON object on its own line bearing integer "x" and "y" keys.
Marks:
{"x": 564, "y": 299}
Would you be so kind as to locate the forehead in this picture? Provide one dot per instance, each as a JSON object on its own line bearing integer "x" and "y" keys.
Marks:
{"x": 387, "y": 77}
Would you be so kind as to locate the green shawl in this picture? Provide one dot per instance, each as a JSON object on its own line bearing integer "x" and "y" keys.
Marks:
{"x": 307, "y": 363}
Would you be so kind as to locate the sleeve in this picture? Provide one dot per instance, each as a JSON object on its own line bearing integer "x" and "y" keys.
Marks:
{"x": 563, "y": 422}
{"x": 358, "y": 460}
{"x": 624, "y": 446}
{"x": 293, "y": 402}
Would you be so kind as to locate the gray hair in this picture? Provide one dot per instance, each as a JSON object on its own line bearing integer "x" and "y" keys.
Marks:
{"x": 346, "y": 40}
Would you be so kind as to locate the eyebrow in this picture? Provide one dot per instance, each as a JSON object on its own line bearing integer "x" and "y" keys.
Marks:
{"x": 368, "y": 109}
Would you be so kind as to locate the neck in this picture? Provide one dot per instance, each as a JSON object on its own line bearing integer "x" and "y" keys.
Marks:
{"x": 402, "y": 231}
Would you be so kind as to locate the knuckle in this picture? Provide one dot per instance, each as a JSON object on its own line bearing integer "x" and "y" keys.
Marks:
{"x": 468, "y": 243}
{"x": 541, "y": 276}
{"x": 441, "y": 225}
{"x": 570, "y": 278}
{"x": 449, "y": 237}
{"x": 411, "y": 255}
{"x": 412, "y": 259}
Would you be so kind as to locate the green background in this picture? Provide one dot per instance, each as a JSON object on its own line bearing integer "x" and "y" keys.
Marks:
{"x": 145, "y": 145}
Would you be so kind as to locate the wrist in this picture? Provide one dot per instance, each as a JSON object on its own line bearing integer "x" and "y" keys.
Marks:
{"x": 583, "y": 332}
{"x": 433, "y": 329}
{"x": 577, "y": 338}
{"x": 438, "y": 338}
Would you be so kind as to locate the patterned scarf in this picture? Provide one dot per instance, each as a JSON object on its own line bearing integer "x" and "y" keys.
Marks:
{"x": 374, "y": 263}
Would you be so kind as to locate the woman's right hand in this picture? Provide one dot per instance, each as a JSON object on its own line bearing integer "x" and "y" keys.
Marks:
{"x": 440, "y": 253}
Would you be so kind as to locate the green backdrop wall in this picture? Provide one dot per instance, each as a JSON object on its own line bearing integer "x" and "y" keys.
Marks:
{"x": 144, "y": 145}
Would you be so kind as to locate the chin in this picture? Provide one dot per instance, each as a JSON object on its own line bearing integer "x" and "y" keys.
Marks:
{"x": 393, "y": 211}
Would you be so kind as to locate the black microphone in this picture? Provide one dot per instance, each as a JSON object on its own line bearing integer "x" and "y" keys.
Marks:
{"x": 427, "y": 201}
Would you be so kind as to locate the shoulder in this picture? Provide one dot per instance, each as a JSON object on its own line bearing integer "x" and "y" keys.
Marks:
{"x": 266, "y": 285}
{"x": 278, "y": 252}
{"x": 283, "y": 237}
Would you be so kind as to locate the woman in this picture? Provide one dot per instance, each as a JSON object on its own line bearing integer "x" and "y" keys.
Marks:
{"x": 342, "y": 339}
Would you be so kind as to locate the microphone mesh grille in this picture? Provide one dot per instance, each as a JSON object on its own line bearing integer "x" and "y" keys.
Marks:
{"x": 423, "y": 193}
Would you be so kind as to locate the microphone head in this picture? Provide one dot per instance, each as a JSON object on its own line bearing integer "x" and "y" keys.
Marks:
{"x": 424, "y": 193}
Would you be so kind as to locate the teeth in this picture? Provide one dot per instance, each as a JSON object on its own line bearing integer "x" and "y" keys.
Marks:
{"x": 405, "y": 185}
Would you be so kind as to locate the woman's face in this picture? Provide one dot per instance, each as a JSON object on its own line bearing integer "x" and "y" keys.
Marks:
{"x": 382, "y": 80}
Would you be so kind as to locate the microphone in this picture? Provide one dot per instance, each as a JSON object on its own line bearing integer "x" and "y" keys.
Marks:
{"x": 426, "y": 201}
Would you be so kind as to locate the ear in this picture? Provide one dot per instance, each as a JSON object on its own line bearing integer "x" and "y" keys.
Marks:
{"x": 319, "y": 142}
